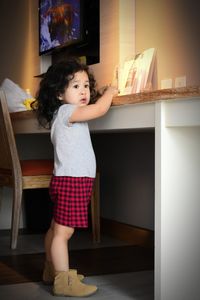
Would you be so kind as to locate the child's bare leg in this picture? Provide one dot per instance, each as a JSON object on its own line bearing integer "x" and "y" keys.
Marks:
{"x": 66, "y": 282}
{"x": 48, "y": 242}
{"x": 59, "y": 246}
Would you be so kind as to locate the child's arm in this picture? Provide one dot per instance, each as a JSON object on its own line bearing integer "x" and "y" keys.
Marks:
{"x": 93, "y": 111}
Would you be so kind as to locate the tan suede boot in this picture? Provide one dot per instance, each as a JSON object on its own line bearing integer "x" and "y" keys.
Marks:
{"x": 49, "y": 273}
{"x": 68, "y": 284}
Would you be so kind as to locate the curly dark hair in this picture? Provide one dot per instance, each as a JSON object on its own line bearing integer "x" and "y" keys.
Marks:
{"x": 54, "y": 82}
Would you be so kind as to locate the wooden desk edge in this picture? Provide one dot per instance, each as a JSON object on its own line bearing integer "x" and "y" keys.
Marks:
{"x": 157, "y": 95}
{"x": 153, "y": 96}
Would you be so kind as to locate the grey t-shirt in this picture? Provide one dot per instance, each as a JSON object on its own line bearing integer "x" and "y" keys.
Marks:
{"x": 73, "y": 151}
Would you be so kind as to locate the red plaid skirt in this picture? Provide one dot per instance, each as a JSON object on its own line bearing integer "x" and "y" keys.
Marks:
{"x": 71, "y": 196}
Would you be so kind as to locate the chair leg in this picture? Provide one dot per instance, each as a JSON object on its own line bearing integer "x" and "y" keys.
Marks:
{"x": 1, "y": 196}
{"x": 17, "y": 199}
{"x": 95, "y": 210}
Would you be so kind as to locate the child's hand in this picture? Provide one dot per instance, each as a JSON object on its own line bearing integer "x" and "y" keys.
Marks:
{"x": 112, "y": 90}
{"x": 102, "y": 90}
{"x": 109, "y": 89}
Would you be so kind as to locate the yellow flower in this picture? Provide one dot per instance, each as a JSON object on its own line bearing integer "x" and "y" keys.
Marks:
{"x": 27, "y": 102}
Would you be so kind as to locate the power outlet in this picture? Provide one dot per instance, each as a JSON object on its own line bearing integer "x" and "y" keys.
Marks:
{"x": 166, "y": 83}
{"x": 180, "y": 81}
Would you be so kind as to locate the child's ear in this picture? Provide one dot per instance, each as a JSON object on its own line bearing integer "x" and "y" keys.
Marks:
{"x": 60, "y": 98}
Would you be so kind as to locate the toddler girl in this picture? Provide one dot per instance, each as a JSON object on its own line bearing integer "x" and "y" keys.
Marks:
{"x": 63, "y": 105}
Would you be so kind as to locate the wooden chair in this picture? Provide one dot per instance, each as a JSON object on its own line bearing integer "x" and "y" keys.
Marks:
{"x": 29, "y": 174}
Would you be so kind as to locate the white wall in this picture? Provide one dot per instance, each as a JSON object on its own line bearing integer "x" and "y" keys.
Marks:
{"x": 19, "y": 58}
{"x": 173, "y": 28}
{"x": 117, "y": 37}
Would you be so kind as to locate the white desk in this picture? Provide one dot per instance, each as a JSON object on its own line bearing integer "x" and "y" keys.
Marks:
{"x": 177, "y": 186}
{"x": 177, "y": 189}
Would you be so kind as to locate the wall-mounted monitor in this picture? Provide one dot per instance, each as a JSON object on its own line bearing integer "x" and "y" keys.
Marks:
{"x": 69, "y": 27}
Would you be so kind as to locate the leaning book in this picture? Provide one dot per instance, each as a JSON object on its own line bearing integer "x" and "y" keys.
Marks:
{"x": 135, "y": 75}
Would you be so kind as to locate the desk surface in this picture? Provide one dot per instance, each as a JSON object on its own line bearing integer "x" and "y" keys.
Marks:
{"x": 135, "y": 111}
{"x": 157, "y": 95}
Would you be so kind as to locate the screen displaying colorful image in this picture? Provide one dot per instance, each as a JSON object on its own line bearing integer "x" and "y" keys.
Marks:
{"x": 60, "y": 23}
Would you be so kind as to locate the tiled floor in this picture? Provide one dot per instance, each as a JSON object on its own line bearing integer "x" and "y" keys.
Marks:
{"x": 123, "y": 286}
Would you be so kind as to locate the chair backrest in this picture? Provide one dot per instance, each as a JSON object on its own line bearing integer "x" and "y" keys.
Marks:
{"x": 9, "y": 159}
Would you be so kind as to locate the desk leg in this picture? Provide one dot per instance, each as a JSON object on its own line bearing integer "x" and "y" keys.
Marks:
{"x": 177, "y": 208}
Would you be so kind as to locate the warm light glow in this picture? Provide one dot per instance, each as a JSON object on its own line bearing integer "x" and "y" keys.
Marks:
{"x": 30, "y": 66}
